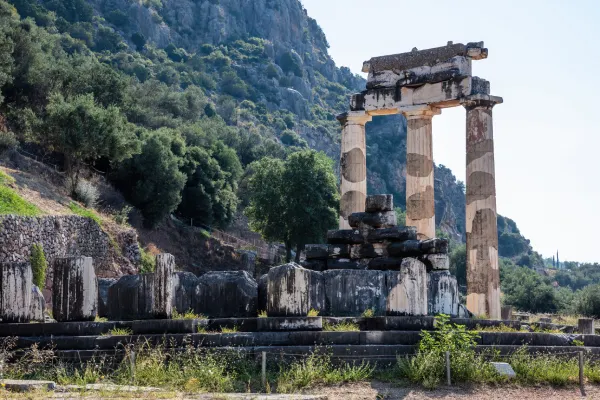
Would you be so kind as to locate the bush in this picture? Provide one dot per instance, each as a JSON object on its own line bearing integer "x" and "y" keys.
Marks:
{"x": 38, "y": 265}
{"x": 587, "y": 301}
{"x": 86, "y": 193}
{"x": 148, "y": 260}
{"x": 7, "y": 141}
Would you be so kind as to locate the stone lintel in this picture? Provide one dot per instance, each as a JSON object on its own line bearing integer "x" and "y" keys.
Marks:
{"x": 354, "y": 117}
{"x": 420, "y": 111}
{"x": 427, "y": 57}
{"x": 481, "y": 101}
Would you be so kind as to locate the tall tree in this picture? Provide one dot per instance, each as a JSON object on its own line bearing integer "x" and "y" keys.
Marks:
{"x": 293, "y": 201}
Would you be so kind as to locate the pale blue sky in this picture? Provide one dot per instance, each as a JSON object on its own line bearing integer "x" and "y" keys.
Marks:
{"x": 544, "y": 60}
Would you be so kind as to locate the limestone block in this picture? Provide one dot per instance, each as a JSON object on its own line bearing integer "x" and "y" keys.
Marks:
{"x": 344, "y": 236}
{"x": 294, "y": 291}
{"x": 504, "y": 369}
{"x": 15, "y": 291}
{"x": 103, "y": 285}
{"x": 506, "y": 313}
{"x": 380, "y": 203}
{"x": 436, "y": 262}
{"x": 227, "y": 294}
{"x": 385, "y": 219}
{"x": 315, "y": 265}
{"x": 37, "y": 308}
{"x": 368, "y": 250}
{"x": 184, "y": 291}
{"x": 351, "y": 292}
{"x": 316, "y": 251}
{"x": 163, "y": 286}
{"x": 339, "y": 250}
{"x": 434, "y": 246}
{"x": 385, "y": 263}
{"x": 345, "y": 263}
{"x": 442, "y": 293}
{"x": 407, "y": 289}
{"x": 130, "y": 298}
{"x": 585, "y": 326}
{"x": 74, "y": 290}
{"x": 408, "y": 248}
{"x": 262, "y": 292}
{"x": 395, "y": 234}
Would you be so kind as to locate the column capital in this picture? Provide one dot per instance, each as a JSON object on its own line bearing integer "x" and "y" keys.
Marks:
{"x": 481, "y": 101}
{"x": 419, "y": 112}
{"x": 354, "y": 117}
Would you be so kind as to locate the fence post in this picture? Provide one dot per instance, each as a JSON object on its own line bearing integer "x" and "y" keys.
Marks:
{"x": 264, "y": 368}
{"x": 448, "y": 377}
{"x": 132, "y": 365}
{"x": 581, "y": 387}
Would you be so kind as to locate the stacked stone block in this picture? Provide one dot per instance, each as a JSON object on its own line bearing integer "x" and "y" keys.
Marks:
{"x": 380, "y": 266}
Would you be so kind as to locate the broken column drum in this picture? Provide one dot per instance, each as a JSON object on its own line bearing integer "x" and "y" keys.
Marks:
{"x": 75, "y": 289}
{"x": 15, "y": 292}
{"x": 419, "y": 84}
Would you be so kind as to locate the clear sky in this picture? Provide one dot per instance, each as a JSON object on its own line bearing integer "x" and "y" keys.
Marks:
{"x": 544, "y": 60}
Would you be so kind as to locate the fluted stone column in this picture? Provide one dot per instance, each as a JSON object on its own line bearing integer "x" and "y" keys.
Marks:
{"x": 353, "y": 165}
{"x": 483, "y": 277}
{"x": 74, "y": 289}
{"x": 420, "y": 204}
{"x": 15, "y": 291}
{"x": 162, "y": 306}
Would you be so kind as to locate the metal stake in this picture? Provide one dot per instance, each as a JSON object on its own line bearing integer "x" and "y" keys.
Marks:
{"x": 264, "y": 368}
{"x": 132, "y": 365}
{"x": 581, "y": 387}
{"x": 448, "y": 368}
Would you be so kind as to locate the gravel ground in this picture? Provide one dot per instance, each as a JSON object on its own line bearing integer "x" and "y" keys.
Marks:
{"x": 381, "y": 391}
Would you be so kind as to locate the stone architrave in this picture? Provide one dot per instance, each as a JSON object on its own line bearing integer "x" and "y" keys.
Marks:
{"x": 420, "y": 204}
{"x": 225, "y": 294}
{"x": 163, "y": 286}
{"x": 483, "y": 277}
{"x": 38, "y": 305}
{"x": 352, "y": 292}
{"x": 292, "y": 291}
{"x": 15, "y": 292}
{"x": 74, "y": 290}
{"x": 407, "y": 289}
{"x": 184, "y": 291}
{"x": 442, "y": 293}
{"x": 353, "y": 165}
{"x": 103, "y": 285}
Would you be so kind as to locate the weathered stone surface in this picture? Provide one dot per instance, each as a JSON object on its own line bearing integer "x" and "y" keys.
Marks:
{"x": 294, "y": 291}
{"x": 184, "y": 291}
{"x": 350, "y": 293}
{"x": 504, "y": 369}
{"x": 408, "y": 248}
{"x": 262, "y": 292}
{"x": 344, "y": 236}
{"x": 585, "y": 326}
{"x": 316, "y": 251}
{"x": 345, "y": 263}
{"x": 436, "y": 262}
{"x": 15, "y": 291}
{"x": 315, "y": 265}
{"x": 227, "y": 294}
{"x": 434, "y": 246}
{"x": 395, "y": 234}
{"x": 162, "y": 306}
{"x": 407, "y": 289}
{"x": 380, "y": 203}
{"x": 103, "y": 285}
{"x": 273, "y": 324}
{"x": 75, "y": 289}
{"x": 130, "y": 298}
{"x": 507, "y": 313}
{"x": 385, "y": 219}
{"x": 339, "y": 250}
{"x": 385, "y": 263}
{"x": 442, "y": 293}
{"x": 37, "y": 309}
{"x": 368, "y": 250}
{"x": 248, "y": 261}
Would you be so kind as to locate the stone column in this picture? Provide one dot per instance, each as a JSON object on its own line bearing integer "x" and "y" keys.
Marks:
{"x": 420, "y": 203}
{"x": 483, "y": 277}
{"x": 74, "y": 289}
{"x": 15, "y": 291}
{"x": 162, "y": 306}
{"x": 353, "y": 165}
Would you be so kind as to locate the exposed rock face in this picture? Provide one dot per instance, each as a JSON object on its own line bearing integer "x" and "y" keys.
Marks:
{"x": 75, "y": 293}
{"x": 227, "y": 294}
{"x": 407, "y": 289}
{"x": 130, "y": 298}
{"x": 103, "y": 285}
{"x": 38, "y": 305}
{"x": 350, "y": 293}
{"x": 162, "y": 306}
{"x": 294, "y": 291}
{"x": 184, "y": 291}
{"x": 15, "y": 291}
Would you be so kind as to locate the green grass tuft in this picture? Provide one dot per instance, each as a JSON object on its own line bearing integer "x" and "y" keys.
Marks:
{"x": 368, "y": 313}
{"x": 189, "y": 314}
{"x": 234, "y": 329}
{"x": 119, "y": 332}
{"x": 313, "y": 313}
{"x": 341, "y": 327}
{"x": 12, "y": 203}
{"x": 84, "y": 212}
{"x": 6, "y": 179}
{"x": 262, "y": 314}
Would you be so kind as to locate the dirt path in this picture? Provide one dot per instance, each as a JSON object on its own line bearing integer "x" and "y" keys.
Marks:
{"x": 381, "y": 391}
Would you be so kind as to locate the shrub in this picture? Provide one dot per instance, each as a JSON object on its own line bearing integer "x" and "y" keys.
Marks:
{"x": 38, "y": 265}
{"x": 121, "y": 217}
{"x": 587, "y": 301}
{"x": 86, "y": 193}
{"x": 148, "y": 260}
{"x": 7, "y": 141}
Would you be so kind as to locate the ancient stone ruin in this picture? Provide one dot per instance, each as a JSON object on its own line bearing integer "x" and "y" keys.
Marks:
{"x": 419, "y": 84}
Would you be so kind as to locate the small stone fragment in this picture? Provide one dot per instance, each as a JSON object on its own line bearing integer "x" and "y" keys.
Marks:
{"x": 504, "y": 369}
{"x": 433, "y": 246}
{"x": 368, "y": 250}
{"x": 379, "y": 202}
{"x": 344, "y": 236}
{"x": 394, "y": 234}
{"x": 339, "y": 250}
{"x": 436, "y": 262}
{"x": 408, "y": 248}
{"x": 373, "y": 219}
